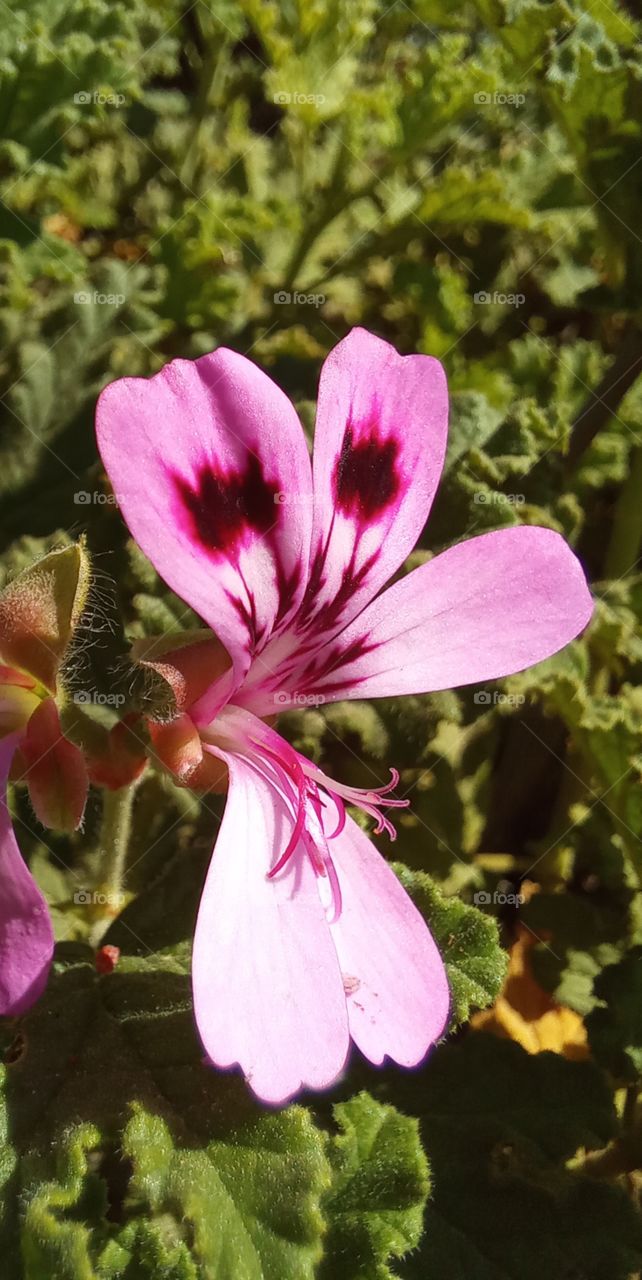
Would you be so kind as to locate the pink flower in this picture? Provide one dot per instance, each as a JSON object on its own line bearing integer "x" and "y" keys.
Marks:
{"x": 305, "y": 938}
{"x": 38, "y": 613}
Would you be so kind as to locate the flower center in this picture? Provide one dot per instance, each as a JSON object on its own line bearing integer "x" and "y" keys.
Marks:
{"x": 315, "y": 801}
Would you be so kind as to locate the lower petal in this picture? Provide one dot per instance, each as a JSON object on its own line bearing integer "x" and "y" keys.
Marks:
{"x": 393, "y": 974}
{"x": 268, "y": 993}
{"x": 26, "y": 936}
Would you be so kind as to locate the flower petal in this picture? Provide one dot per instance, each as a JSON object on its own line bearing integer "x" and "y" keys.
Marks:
{"x": 379, "y": 448}
{"x": 394, "y": 976}
{"x": 268, "y": 993}
{"x": 26, "y": 936}
{"x": 378, "y": 452}
{"x": 199, "y": 457}
{"x": 485, "y": 608}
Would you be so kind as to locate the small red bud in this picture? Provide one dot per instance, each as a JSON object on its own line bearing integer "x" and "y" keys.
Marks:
{"x": 107, "y": 958}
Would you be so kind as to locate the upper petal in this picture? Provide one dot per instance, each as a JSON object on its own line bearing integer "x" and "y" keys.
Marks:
{"x": 394, "y": 977}
{"x": 379, "y": 447}
{"x": 483, "y": 609}
{"x": 268, "y": 993}
{"x": 199, "y": 457}
{"x": 26, "y": 936}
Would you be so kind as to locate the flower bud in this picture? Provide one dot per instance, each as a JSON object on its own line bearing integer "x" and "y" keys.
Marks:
{"x": 39, "y": 611}
{"x": 53, "y": 769}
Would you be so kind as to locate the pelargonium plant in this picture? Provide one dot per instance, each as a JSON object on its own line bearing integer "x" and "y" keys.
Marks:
{"x": 305, "y": 939}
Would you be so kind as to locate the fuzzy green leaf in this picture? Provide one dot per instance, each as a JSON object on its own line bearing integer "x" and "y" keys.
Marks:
{"x": 111, "y": 1098}
{"x": 379, "y": 1188}
{"x": 468, "y": 941}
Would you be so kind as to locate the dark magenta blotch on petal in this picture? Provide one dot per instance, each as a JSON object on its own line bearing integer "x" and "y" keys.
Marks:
{"x": 328, "y": 614}
{"x": 287, "y": 587}
{"x": 224, "y": 506}
{"x": 366, "y": 480}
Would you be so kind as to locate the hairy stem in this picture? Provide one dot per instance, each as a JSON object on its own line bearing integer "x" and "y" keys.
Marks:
{"x": 114, "y": 837}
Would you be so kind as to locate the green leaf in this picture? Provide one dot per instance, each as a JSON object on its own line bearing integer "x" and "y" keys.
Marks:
{"x": 111, "y": 1103}
{"x": 51, "y": 1242}
{"x": 473, "y": 423}
{"x": 379, "y": 1188}
{"x": 499, "y": 1125}
{"x": 615, "y": 1025}
{"x": 468, "y": 941}
{"x": 583, "y": 934}
{"x": 249, "y": 1200}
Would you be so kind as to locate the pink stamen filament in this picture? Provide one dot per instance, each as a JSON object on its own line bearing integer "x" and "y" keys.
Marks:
{"x": 369, "y": 801}
{"x": 298, "y": 800}
{"x": 305, "y": 780}
{"x": 341, "y": 814}
{"x": 306, "y": 790}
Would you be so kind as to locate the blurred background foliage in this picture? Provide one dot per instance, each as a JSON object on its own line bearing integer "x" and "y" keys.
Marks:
{"x": 465, "y": 181}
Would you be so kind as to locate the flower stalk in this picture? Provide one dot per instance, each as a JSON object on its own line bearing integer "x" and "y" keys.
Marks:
{"x": 113, "y": 846}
